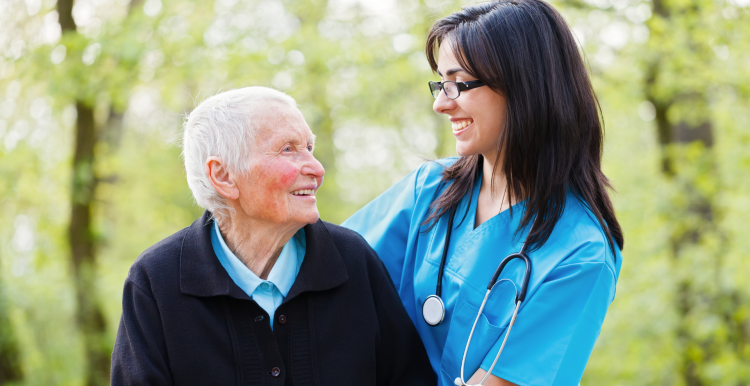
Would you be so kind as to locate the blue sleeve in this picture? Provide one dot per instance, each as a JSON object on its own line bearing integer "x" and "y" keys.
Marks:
{"x": 555, "y": 332}
{"x": 386, "y": 221}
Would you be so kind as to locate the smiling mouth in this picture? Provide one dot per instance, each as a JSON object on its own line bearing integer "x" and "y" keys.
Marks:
{"x": 304, "y": 192}
{"x": 460, "y": 126}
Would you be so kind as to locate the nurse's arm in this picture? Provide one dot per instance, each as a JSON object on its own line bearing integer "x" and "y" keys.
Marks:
{"x": 491, "y": 380}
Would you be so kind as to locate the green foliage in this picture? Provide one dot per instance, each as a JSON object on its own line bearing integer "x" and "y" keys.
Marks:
{"x": 358, "y": 71}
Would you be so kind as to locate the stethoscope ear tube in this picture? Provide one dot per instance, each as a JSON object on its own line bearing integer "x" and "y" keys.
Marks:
{"x": 433, "y": 309}
{"x": 441, "y": 269}
{"x": 524, "y": 285}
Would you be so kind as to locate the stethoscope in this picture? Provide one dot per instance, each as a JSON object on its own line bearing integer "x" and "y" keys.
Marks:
{"x": 433, "y": 309}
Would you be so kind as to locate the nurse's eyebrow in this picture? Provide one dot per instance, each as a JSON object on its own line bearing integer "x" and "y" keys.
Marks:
{"x": 451, "y": 71}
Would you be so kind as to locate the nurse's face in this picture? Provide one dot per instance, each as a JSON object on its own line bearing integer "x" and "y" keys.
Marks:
{"x": 477, "y": 116}
{"x": 283, "y": 174}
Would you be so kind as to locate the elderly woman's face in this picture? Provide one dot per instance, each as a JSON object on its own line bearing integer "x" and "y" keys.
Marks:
{"x": 284, "y": 175}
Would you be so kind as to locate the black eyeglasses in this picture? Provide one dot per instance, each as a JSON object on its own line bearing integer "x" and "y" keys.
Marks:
{"x": 452, "y": 89}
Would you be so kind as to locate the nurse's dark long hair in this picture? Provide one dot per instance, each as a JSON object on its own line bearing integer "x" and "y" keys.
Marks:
{"x": 552, "y": 139}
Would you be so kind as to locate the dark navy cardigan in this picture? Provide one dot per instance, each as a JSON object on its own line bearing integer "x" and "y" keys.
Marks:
{"x": 185, "y": 322}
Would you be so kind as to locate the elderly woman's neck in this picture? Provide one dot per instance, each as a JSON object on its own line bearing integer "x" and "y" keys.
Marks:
{"x": 257, "y": 244}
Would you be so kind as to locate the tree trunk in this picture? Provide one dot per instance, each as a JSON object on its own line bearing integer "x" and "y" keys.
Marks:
{"x": 89, "y": 315}
{"x": 693, "y": 214}
{"x": 10, "y": 361}
{"x": 697, "y": 241}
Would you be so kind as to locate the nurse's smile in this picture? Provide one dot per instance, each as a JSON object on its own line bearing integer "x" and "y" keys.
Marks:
{"x": 460, "y": 125}
{"x": 477, "y": 116}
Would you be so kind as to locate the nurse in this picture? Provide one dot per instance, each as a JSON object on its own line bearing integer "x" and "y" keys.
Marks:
{"x": 528, "y": 131}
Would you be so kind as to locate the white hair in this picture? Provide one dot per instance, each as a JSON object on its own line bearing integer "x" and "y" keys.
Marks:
{"x": 223, "y": 126}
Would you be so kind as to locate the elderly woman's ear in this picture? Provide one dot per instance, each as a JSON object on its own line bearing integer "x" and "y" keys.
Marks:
{"x": 221, "y": 178}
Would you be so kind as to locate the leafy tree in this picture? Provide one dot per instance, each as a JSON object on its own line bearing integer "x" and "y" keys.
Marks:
{"x": 103, "y": 102}
{"x": 685, "y": 65}
{"x": 682, "y": 74}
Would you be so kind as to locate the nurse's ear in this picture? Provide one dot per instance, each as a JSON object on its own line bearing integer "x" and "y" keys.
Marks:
{"x": 222, "y": 178}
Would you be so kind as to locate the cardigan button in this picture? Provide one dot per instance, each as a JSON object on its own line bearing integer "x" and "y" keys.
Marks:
{"x": 282, "y": 319}
{"x": 275, "y": 372}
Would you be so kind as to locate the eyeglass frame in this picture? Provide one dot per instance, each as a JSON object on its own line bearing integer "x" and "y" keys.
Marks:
{"x": 460, "y": 86}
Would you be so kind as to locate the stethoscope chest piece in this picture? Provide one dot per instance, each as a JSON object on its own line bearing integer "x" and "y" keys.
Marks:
{"x": 433, "y": 310}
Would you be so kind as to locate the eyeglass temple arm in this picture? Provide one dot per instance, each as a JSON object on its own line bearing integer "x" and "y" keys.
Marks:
{"x": 464, "y": 86}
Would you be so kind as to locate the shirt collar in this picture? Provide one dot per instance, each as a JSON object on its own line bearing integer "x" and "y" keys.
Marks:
{"x": 285, "y": 271}
{"x": 282, "y": 275}
{"x": 201, "y": 273}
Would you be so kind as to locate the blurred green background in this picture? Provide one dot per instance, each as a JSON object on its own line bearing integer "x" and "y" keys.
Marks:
{"x": 93, "y": 93}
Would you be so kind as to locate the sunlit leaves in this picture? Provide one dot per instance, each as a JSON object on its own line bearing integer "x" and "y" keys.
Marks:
{"x": 359, "y": 74}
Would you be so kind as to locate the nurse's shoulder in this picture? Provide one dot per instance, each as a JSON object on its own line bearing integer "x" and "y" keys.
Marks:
{"x": 579, "y": 232}
{"x": 405, "y": 201}
{"x": 427, "y": 178}
{"x": 432, "y": 170}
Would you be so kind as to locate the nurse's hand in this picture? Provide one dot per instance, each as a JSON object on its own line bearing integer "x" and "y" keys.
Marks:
{"x": 491, "y": 380}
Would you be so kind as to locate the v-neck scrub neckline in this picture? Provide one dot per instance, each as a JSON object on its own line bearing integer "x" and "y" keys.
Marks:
{"x": 464, "y": 233}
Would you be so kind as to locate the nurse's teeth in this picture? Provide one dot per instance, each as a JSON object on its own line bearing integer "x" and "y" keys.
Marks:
{"x": 459, "y": 125}
{"x": 304, "y": 192}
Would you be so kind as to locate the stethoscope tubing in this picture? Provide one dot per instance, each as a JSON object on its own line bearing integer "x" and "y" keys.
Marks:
{"x": 444, "y": 257}
{"x": 520, "y": 297}
{"x": 460, "y": 381}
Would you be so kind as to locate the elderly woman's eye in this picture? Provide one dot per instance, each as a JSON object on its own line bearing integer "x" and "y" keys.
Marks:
{"x": 310, "y": 148}
{"x": 287, "y": 148}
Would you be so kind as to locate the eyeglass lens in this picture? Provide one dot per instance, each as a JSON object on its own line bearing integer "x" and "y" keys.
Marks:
{"x": 450, "y": 87}
{"x": 435, "y": 89}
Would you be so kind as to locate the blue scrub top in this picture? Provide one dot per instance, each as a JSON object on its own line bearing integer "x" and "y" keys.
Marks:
{"x": 572, "y": 282}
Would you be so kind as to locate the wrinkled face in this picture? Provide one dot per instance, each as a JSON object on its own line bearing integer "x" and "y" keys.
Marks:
{"x": 477, "y": 116}
{"x": 283, "y": 175}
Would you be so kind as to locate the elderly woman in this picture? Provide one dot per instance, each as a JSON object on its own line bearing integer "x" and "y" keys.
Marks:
{"x": 259, "y": 290}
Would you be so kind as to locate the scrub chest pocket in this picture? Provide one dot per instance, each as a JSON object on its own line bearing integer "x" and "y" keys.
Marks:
{"x": 490, "y": 326}
{"x": 485, "y": 336}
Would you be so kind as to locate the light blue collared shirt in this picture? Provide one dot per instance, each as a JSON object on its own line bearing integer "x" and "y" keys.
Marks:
{"x": 267, "y": 293}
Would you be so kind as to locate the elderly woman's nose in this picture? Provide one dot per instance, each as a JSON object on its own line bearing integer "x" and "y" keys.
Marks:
{"x": 313, "y": 168}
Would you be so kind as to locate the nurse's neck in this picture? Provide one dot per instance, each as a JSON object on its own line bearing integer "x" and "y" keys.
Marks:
{"x": 493, "y": 194}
